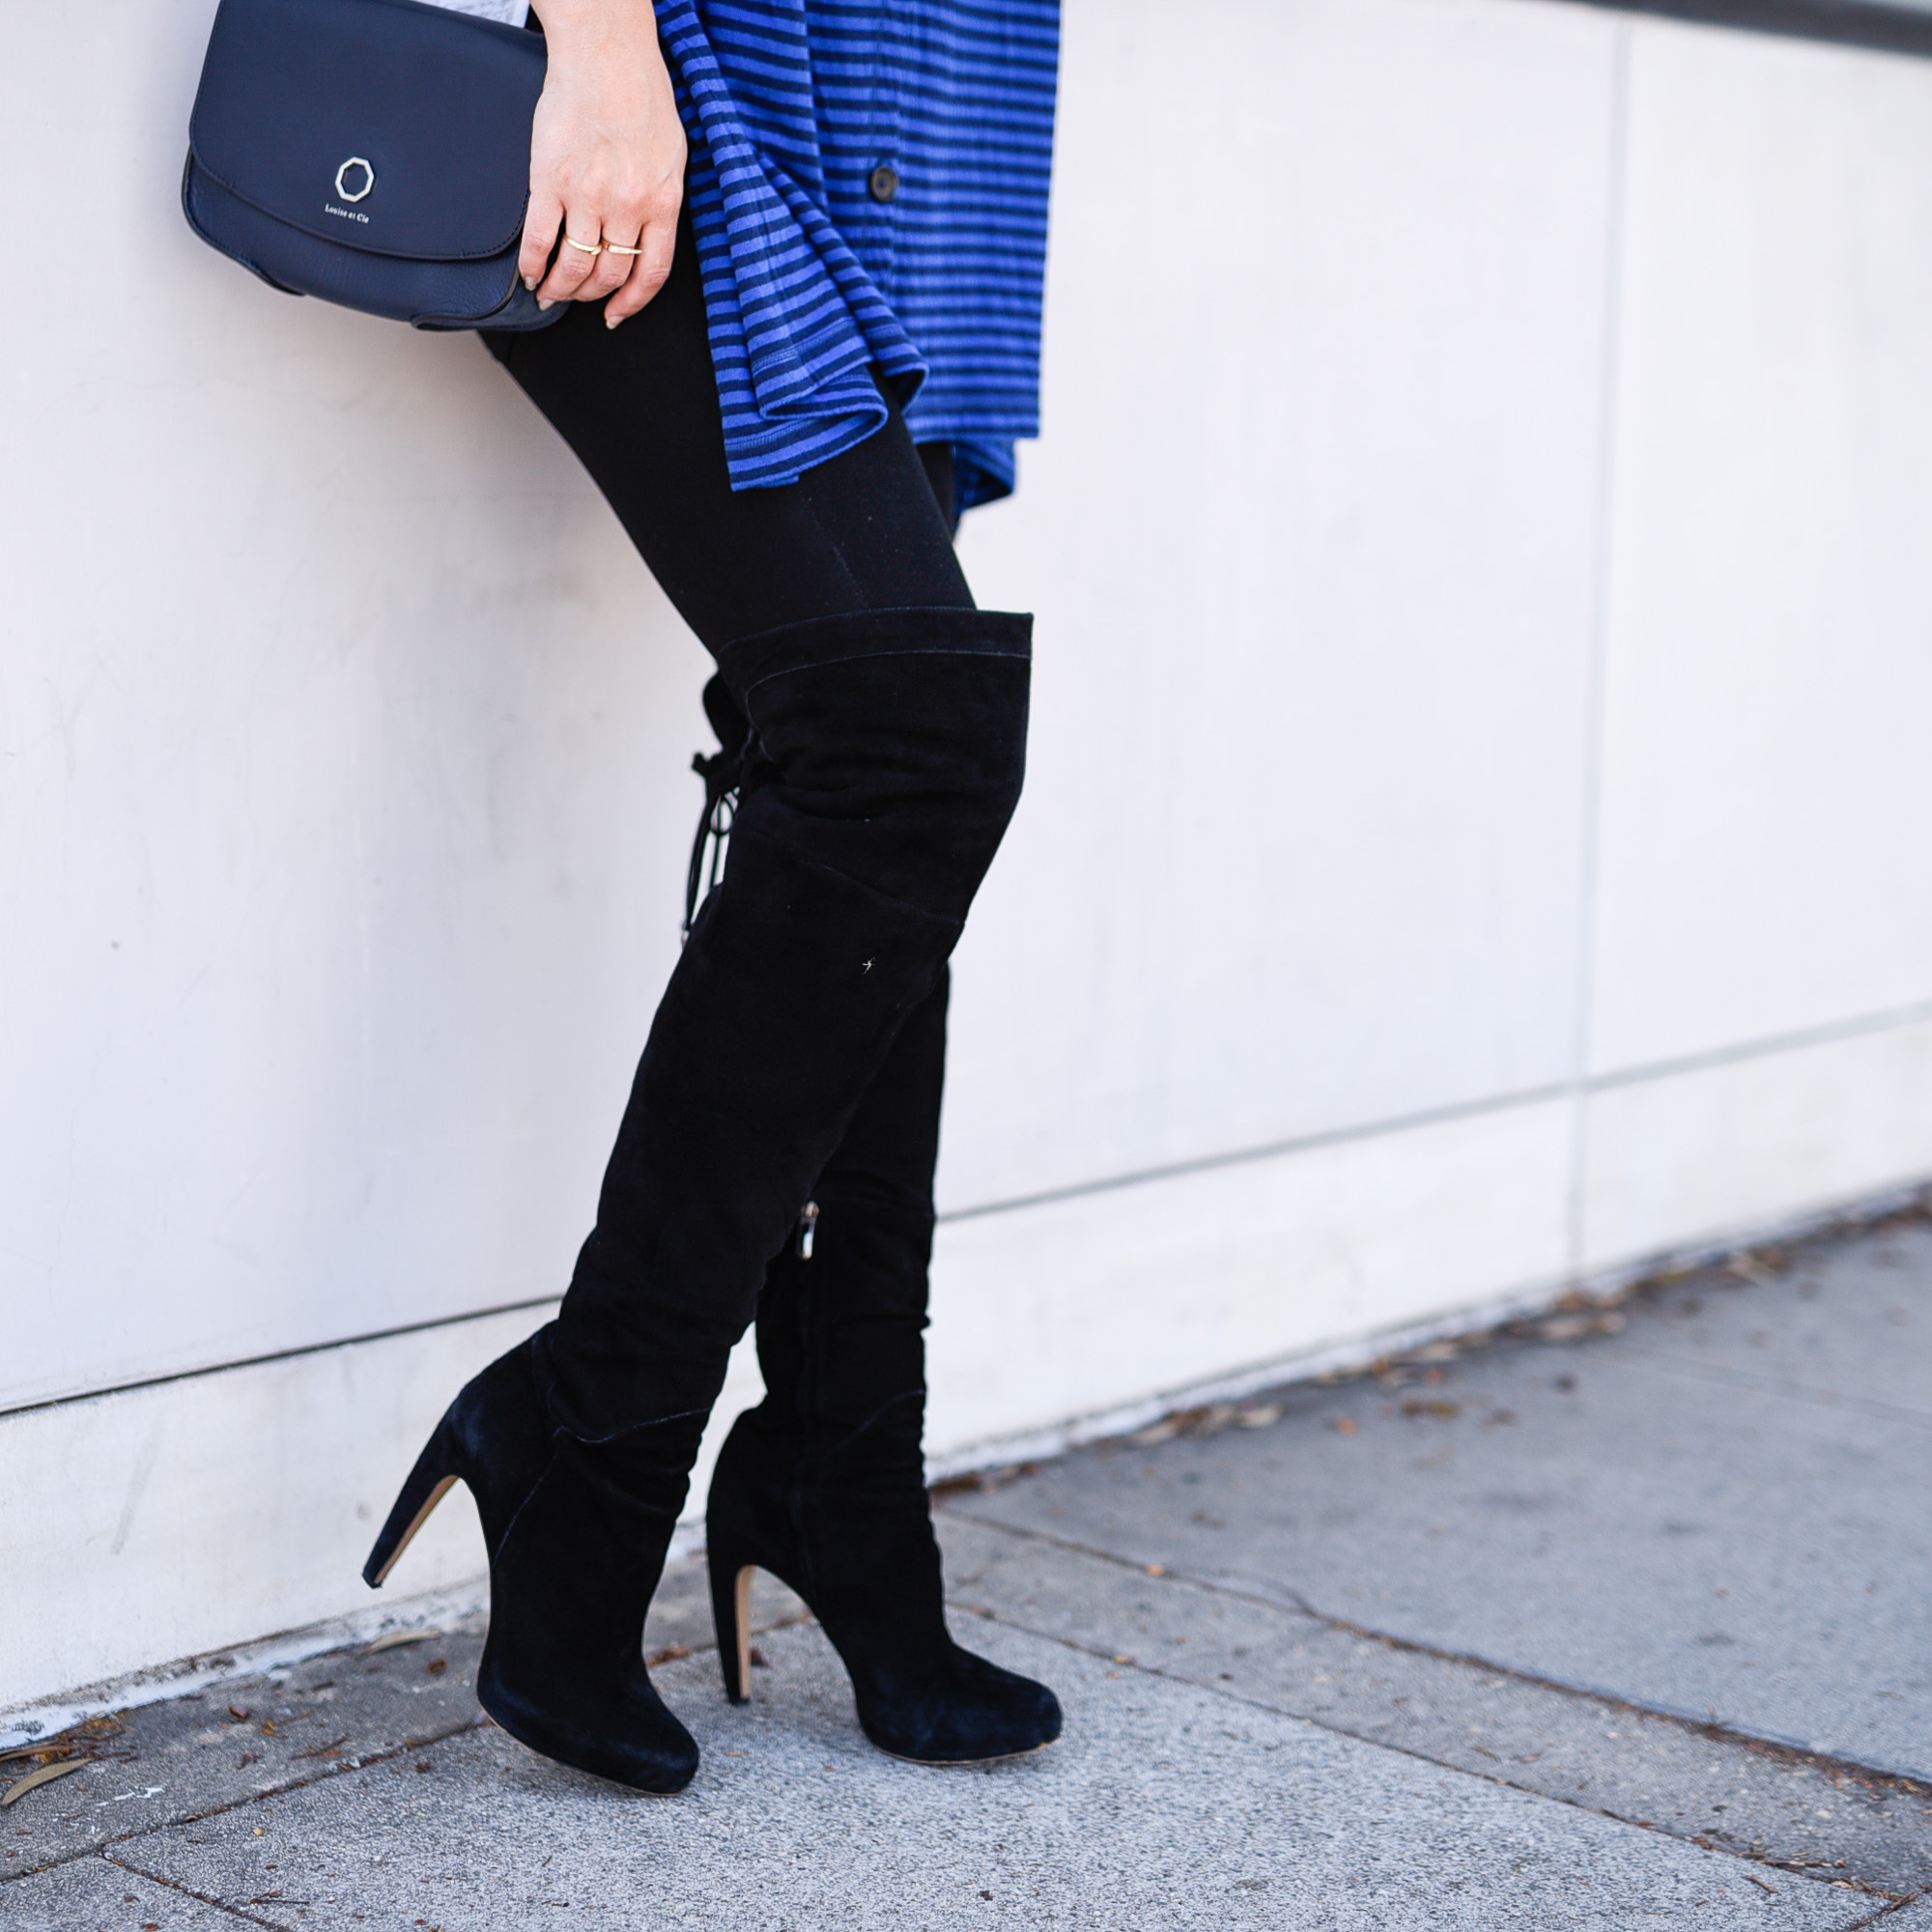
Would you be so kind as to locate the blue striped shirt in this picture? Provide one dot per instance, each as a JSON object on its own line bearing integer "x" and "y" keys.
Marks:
{"x": 811, "y": 279}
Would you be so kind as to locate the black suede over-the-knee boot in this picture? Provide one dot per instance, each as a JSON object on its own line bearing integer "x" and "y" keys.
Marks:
{"x": 823, "y": 1484}
{"x": 891, "y": 748}
{"x": 577, "y": 1537}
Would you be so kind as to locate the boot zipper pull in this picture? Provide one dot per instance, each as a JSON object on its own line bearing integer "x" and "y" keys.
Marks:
{"x": 808, "y": 1227}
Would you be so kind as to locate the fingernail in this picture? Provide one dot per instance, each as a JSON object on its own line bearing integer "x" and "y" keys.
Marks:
{"x": 529, "y": 281}
{"x": 544, "y": 301}
{"x": 611, "y": 321}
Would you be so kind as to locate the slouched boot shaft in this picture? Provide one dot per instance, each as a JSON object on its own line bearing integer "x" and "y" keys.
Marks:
{"x": 858, "y": 1352}
{"x": 891, "y": 748}
{"x": 823, "y": 1484}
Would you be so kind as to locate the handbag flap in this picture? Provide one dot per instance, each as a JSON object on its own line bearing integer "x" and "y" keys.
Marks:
{"x": 384, "y": 124}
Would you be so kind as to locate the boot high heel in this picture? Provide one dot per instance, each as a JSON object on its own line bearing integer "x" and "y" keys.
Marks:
{"x": 577, "y": 1535}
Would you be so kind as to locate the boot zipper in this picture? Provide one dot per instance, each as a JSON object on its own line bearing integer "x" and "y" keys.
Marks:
{"x": 808, "y": 1227}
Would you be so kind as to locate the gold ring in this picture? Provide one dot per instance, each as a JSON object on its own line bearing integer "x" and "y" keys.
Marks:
{"x": 612, "y": 247}
{"x": 589, "y": 247}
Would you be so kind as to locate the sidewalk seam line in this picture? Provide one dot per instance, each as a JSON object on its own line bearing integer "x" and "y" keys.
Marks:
{"x": 106, "y": 1850}
{"x": 188, "y": 1891}
{"x": 1724, "y": 1375}
{"x": 1709, "y": 1731}
{"x": 1895, "y": 1903}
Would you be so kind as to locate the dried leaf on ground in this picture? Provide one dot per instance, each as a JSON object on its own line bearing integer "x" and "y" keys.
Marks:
{"x": 47, "y": 1775}
{"x": 390, "y": 1639}
{"x": 1577, "y": 1327}
{"x": 1209, "y": 1419}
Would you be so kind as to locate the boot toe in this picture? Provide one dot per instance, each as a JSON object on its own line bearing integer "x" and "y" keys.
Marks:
{"x": 586, "y": 1709}
{"x": 640, "y": 1743}
{"x": 655, "y": 1754}
{"x": 977, "y": 1711}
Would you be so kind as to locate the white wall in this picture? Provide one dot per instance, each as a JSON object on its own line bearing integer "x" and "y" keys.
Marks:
{"x": 1481, "y": 550}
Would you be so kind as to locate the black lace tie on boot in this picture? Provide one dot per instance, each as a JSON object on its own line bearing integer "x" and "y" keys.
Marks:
{"x": 724, "y": 772}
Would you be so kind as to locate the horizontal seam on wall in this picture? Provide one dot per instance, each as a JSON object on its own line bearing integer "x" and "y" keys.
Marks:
{"x": 1663, "y": 1069}
{"x": 1208, "y": 1163}
{"x": 1796, "y": 1041}
{"x": 282, "y": 1355}
{"x": 1529, "y": 1097}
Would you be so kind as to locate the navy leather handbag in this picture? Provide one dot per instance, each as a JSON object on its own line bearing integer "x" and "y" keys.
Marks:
{"x": 374, "y": 152}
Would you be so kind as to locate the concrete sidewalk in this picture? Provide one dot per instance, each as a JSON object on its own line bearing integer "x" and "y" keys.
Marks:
{"x": 1609, "y": 1620}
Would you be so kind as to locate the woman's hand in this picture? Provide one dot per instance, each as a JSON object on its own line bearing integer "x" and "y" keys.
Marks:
{"x": 606, "y": 160}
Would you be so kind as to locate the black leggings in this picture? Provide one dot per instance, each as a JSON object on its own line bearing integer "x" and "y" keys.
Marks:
{"x": 870, "y": 530}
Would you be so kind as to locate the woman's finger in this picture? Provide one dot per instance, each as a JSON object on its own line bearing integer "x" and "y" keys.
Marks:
{"x": 621, "y": 262}
{"x": 650, "y": 267}
{"x": 610, "y": 270}
{"x": 575, "y": 260}
{"x": 541, "y": 221}
{"x": 625, "y": 302}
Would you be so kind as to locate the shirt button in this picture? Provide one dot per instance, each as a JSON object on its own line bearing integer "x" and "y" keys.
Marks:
{"x": 883, "y": 181}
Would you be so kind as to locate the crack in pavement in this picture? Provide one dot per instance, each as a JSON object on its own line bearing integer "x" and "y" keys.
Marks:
{"x": 361, "y": 1762}
{"x": 1733, "y": 1377}
{"x": 188, "y": 1891}
{"x": 1729, "y": 1790}
{"x": 1709, "y": 1730}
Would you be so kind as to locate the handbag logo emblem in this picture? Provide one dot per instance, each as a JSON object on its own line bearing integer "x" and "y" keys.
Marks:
{"x": 351, "y": 169}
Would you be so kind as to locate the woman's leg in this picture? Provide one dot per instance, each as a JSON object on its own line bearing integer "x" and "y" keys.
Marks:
{"x": 824, "y": 1483}
{"x": 639, "y": 405}
{"x": 889, "y": 717}
{"x": 931, "y": 721}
